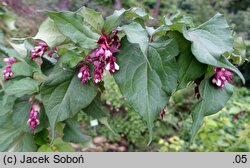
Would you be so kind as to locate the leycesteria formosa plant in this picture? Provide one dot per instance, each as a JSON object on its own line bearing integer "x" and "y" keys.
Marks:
{"x": 58, "y": 73}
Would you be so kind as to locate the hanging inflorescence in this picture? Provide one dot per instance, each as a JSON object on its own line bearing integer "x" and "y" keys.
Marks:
{"x": 102, "y": 58}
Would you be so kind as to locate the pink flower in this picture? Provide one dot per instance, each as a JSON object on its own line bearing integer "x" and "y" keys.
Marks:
{"x": 39, "y": 50}
{"x": 84, "y": 74}
{"x": 33, "y": 119}
{"x": 9, "y": 60}
{"x": 7, "y": 72}
{"x": 111, "y": 65}
{"x": 221, "y": 76}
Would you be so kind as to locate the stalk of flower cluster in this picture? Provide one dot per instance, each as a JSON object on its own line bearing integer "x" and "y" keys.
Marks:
{"x": 102, "y": 58}
{"x": 221, "y": 76}
{"x": 33, "y": 119}
{"x": 38, "y": 50}
{"x": 7, "y": 72}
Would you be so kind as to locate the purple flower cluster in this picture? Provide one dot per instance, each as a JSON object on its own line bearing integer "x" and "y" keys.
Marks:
{"x": 38, "y": 50}
{"x": 7, "y": 72}
{"x": 221, "y": 76}
{"x": 102, "y": 58}
{"x": 33, "y": 120}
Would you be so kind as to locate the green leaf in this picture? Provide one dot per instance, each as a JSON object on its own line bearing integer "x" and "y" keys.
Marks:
{"x": 49, "y": 33}
{"x": 113, "y": 20}
{"x": 20, "y": 115}
{"x": 189, "y": 68}
{"x": 57, "y": 146}
{"x": 210, "y": 41}
{"x": 92, "y": 18}
{"x": 70, "y": 59}
{"x": 239, "y": 54}
{"x": 21, "y": 87}
{"x": 147, "y": 89}
{"x": 61, "y": 146}
{"x": 213, "y": 99}
{"x": 45, "y": 148}
{"x": 116, "y": 18}
{"x": 22, "y": 69}
{"x": 6, "y": 104}
{"x": 177, "y": 21}
{"x": 10, "y": 52}
{"x": 20, "y": 48}
{"x": 72, "y": 132}
{"x": 96, "y": 109}
{"x": 15, "y": 140}
{"x": 71, "y": 25}
{"x": 63, "y": 95}
{"x": 137, "y": 35}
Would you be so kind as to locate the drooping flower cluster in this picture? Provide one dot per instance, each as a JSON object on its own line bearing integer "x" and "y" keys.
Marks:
{"x": 33, "y": 119}
{"x": 53, "y": 53}
{"x": 7, "y": 72}
{"x": 84, "y": 74}
{"x": 38, "y": 50}
{"x": 163, "y": 113}
{"x": 102, "y": 58}
{"x": 221, "y": 76}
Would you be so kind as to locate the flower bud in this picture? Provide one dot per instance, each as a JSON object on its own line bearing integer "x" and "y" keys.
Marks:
{"x": 10, "y": 60}
{"x": 33, "y": 119}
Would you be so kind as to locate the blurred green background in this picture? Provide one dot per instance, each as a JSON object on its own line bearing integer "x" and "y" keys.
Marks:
{"x": 229, "y": 130}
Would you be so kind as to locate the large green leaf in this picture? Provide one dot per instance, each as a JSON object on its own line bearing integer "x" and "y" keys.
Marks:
{"x": 71, "y": 25}
{"x": 63, "y": 95}
{"x": 189, "y": 68}
{"x": 72, "y": 132}
{"x": 213, "y": 99}
{"x": 49, "y": 33}
{"x": 147, "y": 89}
{"x": 96, "y": 109}
{"x": 137, "y": 35}
{"x": 15, "y": 140}
{"x": 21, "y": 87}
{"x": 92, "y": 18}
{"x": 210, "y": 41}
